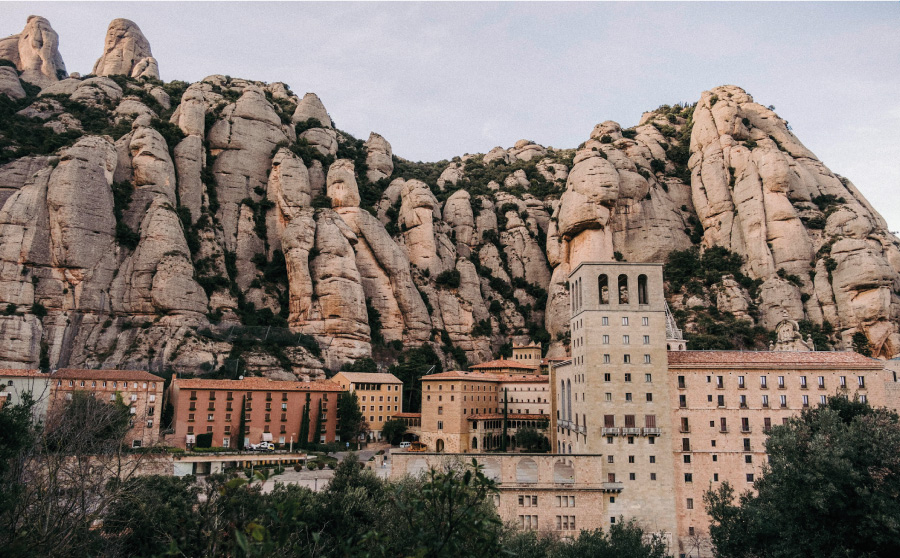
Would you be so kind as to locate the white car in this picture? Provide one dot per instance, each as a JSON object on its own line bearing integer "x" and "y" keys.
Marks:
{"x": 262, "y": 446}
{"x": 404, "y": 445}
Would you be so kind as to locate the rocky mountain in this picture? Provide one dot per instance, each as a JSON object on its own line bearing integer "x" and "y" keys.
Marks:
{"x": 228, "y": 226}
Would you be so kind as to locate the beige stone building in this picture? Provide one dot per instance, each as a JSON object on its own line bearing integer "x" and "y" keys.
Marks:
{"x": 463, "y": 411}
{"x": 505, "y": 366}
{"x": 528, "y": 354}
{"x": 380, "y": 396}
{"x": 541, "y": 492}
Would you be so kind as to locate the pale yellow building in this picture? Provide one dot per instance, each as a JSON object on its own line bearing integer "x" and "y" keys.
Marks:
{"x": 380, "y": 396}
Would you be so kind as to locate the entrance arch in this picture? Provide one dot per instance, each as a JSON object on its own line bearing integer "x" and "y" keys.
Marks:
{"x": 439, "y": 445}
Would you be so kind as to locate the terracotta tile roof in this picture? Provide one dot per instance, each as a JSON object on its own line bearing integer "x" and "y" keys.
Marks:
{"x": 769, "y": 359}
{"x": 407, "y": 415}
{"x": 531, "y": 345}
{"x": 127, "y": 375}
{"x": 510, "y": 416}
{"x": 502, "y": 363}
{"x": 486, "y": 377}
{"x": 20, "y": 373}
{"x": 370, "y": 377}
{"x": 257, "y": 384}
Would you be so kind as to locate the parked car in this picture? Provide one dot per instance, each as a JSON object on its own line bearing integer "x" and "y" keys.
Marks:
{"x": 404, "y": 445}
{"x": 262, "y": 446}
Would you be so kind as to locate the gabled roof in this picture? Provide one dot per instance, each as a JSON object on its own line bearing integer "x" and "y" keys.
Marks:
{"x": 21, "y": 373}
{"x": 124, "y": 375}
{"x": 502, "y": 363}
{"x": 370, "y": 377}
{"x": 257, "y": 384}
{"x": 487, "y": 377}
{"x": 771, "y": 359}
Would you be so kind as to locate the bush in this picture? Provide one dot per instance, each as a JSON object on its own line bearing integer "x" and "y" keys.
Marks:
{"x": 605, "y": 138}
{"x": 204, "y": 440}
{"x": 311, "y": 465}
{"x": 38, "y": 310}
{"x": 449, "y": 279}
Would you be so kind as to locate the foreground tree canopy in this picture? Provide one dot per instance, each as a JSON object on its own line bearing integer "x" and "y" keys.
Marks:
{"x": 831, "y": 489}
{"x": 69, "y": 489}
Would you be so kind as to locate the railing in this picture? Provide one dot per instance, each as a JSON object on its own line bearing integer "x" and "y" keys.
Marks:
{"x": 609, "y": 431}
{"x": 613, "y": 487}
{"x": 631, "y": 432}
{"x": 651, "y": 432}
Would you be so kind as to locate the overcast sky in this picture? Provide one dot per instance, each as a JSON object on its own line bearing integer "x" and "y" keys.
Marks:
{"x": 439, "y": 80}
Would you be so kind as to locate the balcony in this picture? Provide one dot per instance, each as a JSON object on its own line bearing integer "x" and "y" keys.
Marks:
{"x": 611, "y": 431}
{"x": 631, "y": 432}
{"x": 651, "y": 432}
{"x": 613, "y": 487}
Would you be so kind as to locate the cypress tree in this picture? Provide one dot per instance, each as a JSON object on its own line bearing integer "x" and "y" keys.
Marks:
{"x": 304, "y": 425}
{"x": 318, "y": 435}
{"x": 242, "y": 423}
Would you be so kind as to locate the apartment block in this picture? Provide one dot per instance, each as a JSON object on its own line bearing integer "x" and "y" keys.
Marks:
{"x": 273, "y": 410}
{"x": 380, "y": 396}
{"x": 141, "y": 391}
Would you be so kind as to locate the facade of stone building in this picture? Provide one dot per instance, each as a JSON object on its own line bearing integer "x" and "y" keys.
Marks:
{"x": 380, "y": 396}
{"x": 464, "y": 411}
{"x": 141, "y": 391}
{"x": 14, "y": 383}
{"x": 671, "y": 423}
{"x": 540, "y": 492}
{"x": 273, "y": 410}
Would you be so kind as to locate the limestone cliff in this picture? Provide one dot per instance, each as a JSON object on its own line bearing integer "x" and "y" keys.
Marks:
{"x": 229, "y": 225}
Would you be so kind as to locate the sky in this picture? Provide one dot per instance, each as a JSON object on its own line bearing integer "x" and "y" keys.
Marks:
{"x": 444, "y": 79}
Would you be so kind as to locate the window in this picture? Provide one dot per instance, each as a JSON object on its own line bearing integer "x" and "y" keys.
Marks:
{"x": 765, "y": 401}
{"x": 720, "y": 382}
{"x": 821, "y": 382}
{"x": 609, "y": 396}
{"x": 642, "y": 290}
{"x": 649, "y": 397}
{"x": 746, "y": 444}
{"x": 688, "y": 477}
{"x": 741, "y": 382}
{"x": 606, "y": 359}
{"x": 803, "y": 382}
{"x": 610, "y": 459}
{"x": 723, "y": 425}
{"x": 631, "y": 476}
{"x": 685, "y": 427}
{"x": 690, "y": 503}
{"x": 440, "y": 410}
{"x": 606, "y": 339}
{"x": 680, "y": 382}
{"x": 762, "y": 382}
{"x": 843, "y": 381}
{"x": 743, "y": 399}
{"x": 152, "y": 398}
{"x": 135, "y": 443}
{"x": 646, "y": 340}
{"x": 806, "y": 401}
{"x": 648, "y": 378}
{"x": 687, "y": 458}
{"x": 627, "y": 377}
{"x": 626, "y": 359}
{"x": 627, "y": 397}
{"x": 748, "y": 459}
{"x": 745, "y": 424}
{"x": 685, "y": 444}
{"x": 623, "y": 289}
{"x": 624, "y": 320}
{"x": 783, "y": 399}
{"x": 861, "y": 381}
{"x": 682, "y": 401}
{"x": 823, "y": 399}
{"x": 715, "y": 477}
{"x": 652, "y": 475}
{"x": 440, "y": 425}
{"x": 604, "y": 320}
{"x": 626, "y": 339}
{"x": 863, "y": 399}
{"x": 646, "y": 359}
{"x": 720, "y": 400}
{"x": 767, "y": 424}
{"x": 749, "y": 477}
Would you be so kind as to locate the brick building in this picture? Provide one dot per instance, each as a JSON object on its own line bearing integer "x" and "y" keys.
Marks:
{"x": 141, "y": 391}
{"x": 380, "y": 396}
{"x": 273, "y": 410}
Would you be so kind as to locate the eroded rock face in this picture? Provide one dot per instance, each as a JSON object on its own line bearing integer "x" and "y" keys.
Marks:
{"x": 310, "y": 106}
{"x": 35, "y": 52}
{"x": 126, "y": 51}
{"x": 379, "y": 158}
{"x": 10, "y": 84}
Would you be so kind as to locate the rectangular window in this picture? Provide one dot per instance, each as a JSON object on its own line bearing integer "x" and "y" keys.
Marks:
{"x": 821, "y": 382}
{"x": 625, "y": 320}
{"x": 720, "y": 382}
{"x": 863, "y": 399}
{"x": 681, "y": 384}
{"x": 627, "y": 377}
{"x": 626, "y": 359}
{"x": 688, "y": 477}
{"x": 645, "y": 321}
{"x": 606, "y": 359}
{"x": 690, "y": 503}
{"x": 741, "y": 382}
{"x": 843, "y": 381}
{"x": 780, "y": 382}
{"x": 685, "y": 444}
{"x": 606, "y": 339}
{"x": 631, "y": 476}
{"x": 749, "y": 477}
{"x": 745, "y": 424}
{"x": 626, "y": 339}
{"x": 861, "y": 381}
{"x": 646, "y": 340}
{"x": 682, "y": 401}
{"x": 627, "y": 397}
{"x": 609, "y": 396}
{"x": 646, "y": 359}
{"x": 685, "y": 426}
{"x": 783, "y": 399}
{"x": 604, "y": 320}
{"x": 629, "y": 421}
{"x": 762, "y": 382}
{"x": 767, "y": 424}
{"x": 720, "y": 400}
{"x": 743, "y": 399}
{"x": 609, "y": 421}
{"x": 823, "y": 399}
{"x": 650, "y": 421}
{"x": 440, "y": 425}
{"x": 806, "y": 401}
{"x": 746, "y": 444}
{"x": 803, "y": 382}
{"x": 649, "y": 397}
{"x": 723, "y": 425}
{"x": 765, "y": 401}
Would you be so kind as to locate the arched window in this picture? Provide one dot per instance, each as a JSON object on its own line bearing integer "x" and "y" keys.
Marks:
{"x": 475, "y": 443}
{"x": 439, "y": 445}
{"x": 642, "y": 290}
{"x": 569, "y": 399}
{"x": 603, "y": 284}
{"x": 623, "y": 289}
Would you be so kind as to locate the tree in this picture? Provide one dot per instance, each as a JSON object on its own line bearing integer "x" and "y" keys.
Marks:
{"x": 242, "y": 424}
{"x": 410, "y": 367}
{"x": 393, "y": 431}
{"x": 861, "y": 344}
{"x": 831, "y": 488}
{"x": 303, "y": 440}
{"x": 530, "y": 439}
{"x": 351, "y": 422}
{"x": 318, "y": 431}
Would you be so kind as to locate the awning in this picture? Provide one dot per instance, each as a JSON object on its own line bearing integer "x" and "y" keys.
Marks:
{"x": 191, "y": 439}
{"x": 267, "y": 437}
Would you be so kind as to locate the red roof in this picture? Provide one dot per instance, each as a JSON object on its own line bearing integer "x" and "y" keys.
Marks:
{"x": 484, "y": 377}
{"x": 20, "y": 373}
{"x": 126, "y": 375}
{"x": 510, "y": 416}
{"x": 257, "y": 383}
{"x": 407, "y": 415}
{"x": 770, "y": 359}
{"x": 502, "y": 363}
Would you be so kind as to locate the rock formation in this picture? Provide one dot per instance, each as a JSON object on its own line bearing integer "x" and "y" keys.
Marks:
{"x": 35, "y": 52}
{"x": 126, "y": 51}
{"x": 198, "y": 221}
